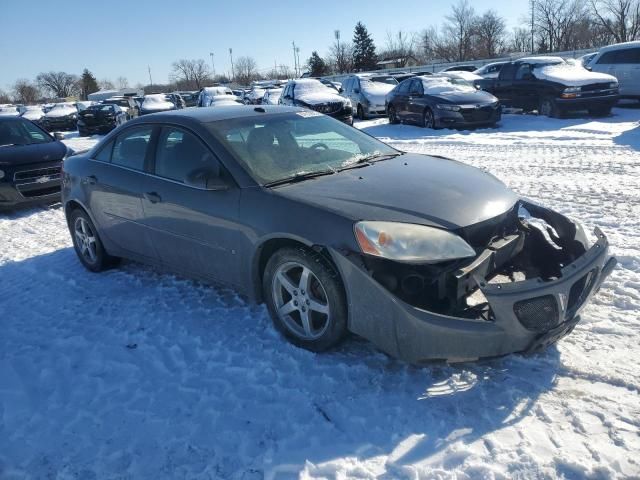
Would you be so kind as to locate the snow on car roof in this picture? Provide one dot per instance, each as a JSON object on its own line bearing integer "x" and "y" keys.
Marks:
{"x": 541, "y": 59}
{"x": 621, "y": 46}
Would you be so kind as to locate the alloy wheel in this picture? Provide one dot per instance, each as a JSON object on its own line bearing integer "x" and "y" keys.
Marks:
{"x": 428, "y": 119}
{"x": 301, "y": 301}
{"x": 85, "y": 240}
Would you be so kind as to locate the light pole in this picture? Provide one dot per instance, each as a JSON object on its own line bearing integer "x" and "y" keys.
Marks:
{"x": 213, "y": 68}
{"x": 233, "y": 75}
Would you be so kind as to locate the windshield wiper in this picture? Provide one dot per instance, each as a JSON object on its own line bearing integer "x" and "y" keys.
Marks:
{"x": 370, "y": 159}
{"x": 300, "y": 177}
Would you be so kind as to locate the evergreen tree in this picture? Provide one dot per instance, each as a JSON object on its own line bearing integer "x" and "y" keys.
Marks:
{"x": 317, "y": 66}
{"x": 88, "y": 84}
{"x": 364, "y": 50}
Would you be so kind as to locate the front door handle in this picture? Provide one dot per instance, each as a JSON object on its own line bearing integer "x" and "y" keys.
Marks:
{"x": 153, "y": 197}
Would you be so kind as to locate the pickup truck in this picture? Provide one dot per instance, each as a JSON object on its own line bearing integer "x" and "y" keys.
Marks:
{"x": 552, "y": 86}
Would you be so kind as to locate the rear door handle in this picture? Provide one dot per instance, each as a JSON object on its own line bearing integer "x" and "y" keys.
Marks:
{"x": 91, "y": 180}
{"x": 153, "y": 197}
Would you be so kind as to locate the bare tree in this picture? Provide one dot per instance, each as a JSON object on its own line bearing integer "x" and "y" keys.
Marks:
{"x": 246, "y": 70}
{"x": 621, "y": 18}
{"x": 190, "y": 73}
{"x": 490, "y": 31}
{"x": 460, "y": 28}
{"x": 427, "y": 42}
{"x": 4, "y": 98}
{"x": 59, "y": 84}
{"x": 106, "y": 84}
{"x": 122, "y": 82}
{"x": 24, "y": 91}
{"x": 556, "y": 23}
{"x": 400, "y": 46}
{"x": 520, "y": 40}
{"x": 340, "y": 57}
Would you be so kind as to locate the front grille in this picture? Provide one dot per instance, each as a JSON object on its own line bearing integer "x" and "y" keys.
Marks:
{"x": 538, "y": 314}
{"x": 52, "y": 172}
{"x": 40, "y": 192}
{"x": 481, "y": 114}
{"x": 596, "y": 86}
{"x": 327, "y": 108}
{"x": 579, "y": 292}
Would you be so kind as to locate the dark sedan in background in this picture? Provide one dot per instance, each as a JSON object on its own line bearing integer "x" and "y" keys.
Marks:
{"x": 335, "y": 231}
{"x": 100, "y": 119}
{"x": 314, "y": 95}
{"x": 30, "y": 163}
{"x": 441, "y": 101}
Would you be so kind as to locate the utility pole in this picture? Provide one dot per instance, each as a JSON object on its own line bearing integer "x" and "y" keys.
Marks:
{"x": 298, "y": 58}
{"x": 213, "y": 68}
{"x": 295, "y": 60}
{"x": 336, "y": 33}
{"x": 150, "y": 80}
{"x": 233, "y": 75}
{"x": 533, "y": 11}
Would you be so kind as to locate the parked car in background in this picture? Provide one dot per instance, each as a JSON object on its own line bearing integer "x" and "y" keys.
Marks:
{"x": 331, "y": 84}
{"x": 33, "y": 113}
{"x": 220, "y": 100}
{"x": 127, "y": 104}
{"x": 553, "y": 87}
{"x": 335, "y": 231}
{"x": 205, "y": 95}
{"x": 585, "y": 60}
{"x": 395, "y": 77}
{"x": 460, "y": 68}
{"x": 177, "y": 100}
{"x": 314, "y": 95}
{"x": 490, "y": 70}
{"x": 100, "y": 119}
{"x": 623, "y": 62}
{"x": 9, "y": 111}
{"x": 272, "y": 96}
{"x": 83, "y": 105}
{"x": 190, "y": 98}
{"x": 157, "y": 102}
{"x": 254, "y": 96}
{"x": 366, "y": 94}
{"x": 62, "y": 117}
{"x": 47, "y": 107}
{"x": 441, "y": 101}
{"x": 30, "y": 163}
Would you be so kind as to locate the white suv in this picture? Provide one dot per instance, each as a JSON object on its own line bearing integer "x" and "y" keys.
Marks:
{"x": 623, "y": 62}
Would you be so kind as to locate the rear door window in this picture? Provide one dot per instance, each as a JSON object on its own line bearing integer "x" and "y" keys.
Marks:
{"x": 130, "y": 148}
{"x": 629, "y": 56}
{"x": 608, "y": 58}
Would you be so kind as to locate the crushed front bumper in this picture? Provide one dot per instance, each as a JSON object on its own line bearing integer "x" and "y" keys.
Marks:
{"x": 528, "y": 315}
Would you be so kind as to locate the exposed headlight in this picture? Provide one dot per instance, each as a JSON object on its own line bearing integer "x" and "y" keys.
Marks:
{"x": 613, "y": 85}
{"x": 1, "y": 174}
{"x": 449, "y": 107}
{"x": 572, "y": 90}
{"x": 406, "y": 242}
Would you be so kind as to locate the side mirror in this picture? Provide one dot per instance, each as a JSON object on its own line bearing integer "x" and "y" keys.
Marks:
{"x": 207, "y": 179}
{"x": 588, "y": 67}
{"x": 340, "y": 90}
{"x": 58, "y": 135}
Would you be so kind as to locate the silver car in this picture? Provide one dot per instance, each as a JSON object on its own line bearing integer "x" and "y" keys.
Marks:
{"x": 623, "y": 62}
{"x": 367, "y": 93}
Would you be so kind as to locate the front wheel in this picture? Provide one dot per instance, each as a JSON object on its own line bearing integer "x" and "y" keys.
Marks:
{"x": 361, "y": 114}
{"x": 428, "y": 119}
{"x": 305, "y": 298}
{"x": 549, "y": 108}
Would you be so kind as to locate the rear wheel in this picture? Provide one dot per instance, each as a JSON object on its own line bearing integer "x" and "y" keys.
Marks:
{"x": 305, "y": 298}
{"x": 391, "y": 113}
{"x": 87, "y": 243}
{"x": 549, "y": 108}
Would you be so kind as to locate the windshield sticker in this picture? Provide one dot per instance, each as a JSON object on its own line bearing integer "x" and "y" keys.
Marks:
{"x": 309, "y": 113}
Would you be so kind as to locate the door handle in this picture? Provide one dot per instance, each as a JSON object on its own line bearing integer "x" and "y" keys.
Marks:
{"x": 91, "y": 180}
{"x": 153, "y": 197}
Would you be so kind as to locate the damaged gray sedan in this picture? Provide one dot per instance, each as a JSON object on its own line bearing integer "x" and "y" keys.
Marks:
{"x": 335, "y": 231}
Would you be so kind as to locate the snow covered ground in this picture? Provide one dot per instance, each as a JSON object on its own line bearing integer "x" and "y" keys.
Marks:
{"x": 138, "y": 374}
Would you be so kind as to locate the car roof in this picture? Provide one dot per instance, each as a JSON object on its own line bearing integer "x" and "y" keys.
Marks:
{"x": 539, "y": 58}
{"x": 226, "y": 112}
{"x": 621, "y": 46}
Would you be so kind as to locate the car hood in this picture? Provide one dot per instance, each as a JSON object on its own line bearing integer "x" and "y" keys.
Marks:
{"x": 318, "y": 98}
{"x": 466, "y": 97}
{"x": 37, "y": 152}
{"x": 572, "y": 75}
{"x": 410, "y": 188}
{"x": 60, "y": 112}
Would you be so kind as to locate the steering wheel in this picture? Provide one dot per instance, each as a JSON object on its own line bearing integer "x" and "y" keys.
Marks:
{"x": 320, "y": 145}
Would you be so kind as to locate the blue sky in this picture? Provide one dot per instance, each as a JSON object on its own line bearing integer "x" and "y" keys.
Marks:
{"x": 120, "y": 38}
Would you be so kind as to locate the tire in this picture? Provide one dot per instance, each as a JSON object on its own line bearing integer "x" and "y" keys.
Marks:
{"x": 82, "y": 133}
{"x": 393, "y": 117}
{"x": 99, "y": 260}
{"x": 361, "y": 114}
{"x": 600, "y": 111}
{"x": 428, "y": 119}
{"x": 323, "y": 306}
{"x": 549, "y": 108}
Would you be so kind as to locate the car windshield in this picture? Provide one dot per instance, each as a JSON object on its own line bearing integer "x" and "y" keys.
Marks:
{"x": 287, "y": 145}
{"x": 389, "y": 80}
{"x": 375, "y": 86}
{"x": 62, "y": 106}
{"x": 100, "y": 108}
{"x": 309, "y": 86}
{"x": 21, "y": 132}
{"x": 439, "y": 84}
{"x": 122, "y": 102}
